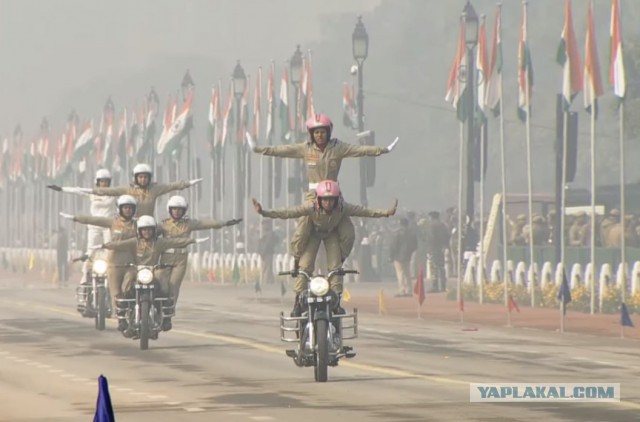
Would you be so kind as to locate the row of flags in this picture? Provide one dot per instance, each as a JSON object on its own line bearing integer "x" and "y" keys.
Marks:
{"x": 130, "y": 134}
{"x": 575, "y": 78}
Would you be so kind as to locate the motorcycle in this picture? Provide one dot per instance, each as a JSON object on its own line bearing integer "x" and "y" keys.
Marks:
{"x": 319, "y": 332}
{"x": 144, "y": 307}
{"x": 93, "y": 298}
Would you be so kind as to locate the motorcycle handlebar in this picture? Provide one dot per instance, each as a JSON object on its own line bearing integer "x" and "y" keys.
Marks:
{"x": 157, "y": 266}
{"x": 81, "y": 258}
{"x": 332, "y": 273}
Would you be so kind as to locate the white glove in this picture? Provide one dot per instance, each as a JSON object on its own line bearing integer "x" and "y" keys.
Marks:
{"x": 194, "y": 181}
{"x": 201, "y": 239}
{"x": 67, "y": 216}
{"x": 392, "y": 145}
{"x": 250, "y": 141}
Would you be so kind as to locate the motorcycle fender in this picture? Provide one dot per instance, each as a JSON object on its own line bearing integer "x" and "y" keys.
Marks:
{"x": 320, "y": 314}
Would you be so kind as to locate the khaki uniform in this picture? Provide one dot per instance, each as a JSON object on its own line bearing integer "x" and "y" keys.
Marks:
{"x": 121, "y": 229}
{"x": 404, "y": 243}
{"x": 148, "y": 252}
{"x": 324, "y": 228}
{"x": 178, "y": 257}
{"x": 145, "y": 197}
{"x": 321, "y": 165}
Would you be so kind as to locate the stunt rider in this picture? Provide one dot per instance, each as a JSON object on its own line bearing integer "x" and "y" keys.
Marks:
{"x": 122, "y": 227}
{"x": 142, "y": 189}
{"x": 179, "y": 225}
{"x": 100, "y": 206}
{"x": 323, "y": 158}
{"x": 326, "y": 215}
{"x": 146, "y": 249}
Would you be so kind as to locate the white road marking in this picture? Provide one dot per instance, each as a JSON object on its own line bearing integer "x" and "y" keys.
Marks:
{"x": 157, "y": 397}
{"x": 55, "y": 371}
{"x": 194, "y": 409}
{"x": 261, "y": 418}
{"x": 123, "y": 390}
{"x": 174, "y": 403}
{"x": 78, "y": 379}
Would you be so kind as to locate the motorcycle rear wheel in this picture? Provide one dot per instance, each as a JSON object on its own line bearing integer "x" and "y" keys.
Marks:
{"x": 322, "y": 353}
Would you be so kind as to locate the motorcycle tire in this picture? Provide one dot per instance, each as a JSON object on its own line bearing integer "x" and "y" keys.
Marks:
{"x": 101, "y": 310}
{"x": 322, "y": 352}
{"x": 145, "y": 325}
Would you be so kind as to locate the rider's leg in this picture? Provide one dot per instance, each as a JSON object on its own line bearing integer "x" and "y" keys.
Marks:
{"x": 332, "y": 246}
{"x": 347, "y": 236}
{"x": 307, "y": 264}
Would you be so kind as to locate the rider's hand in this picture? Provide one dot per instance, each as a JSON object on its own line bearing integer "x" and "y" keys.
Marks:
{"x": 202, "y": 239}
{"x": 233, "y": 222}
{"x": 257, "y": 206}
{"x": 194, "y": 181}
{"x": 55, "y": 187}
{"x": 392, "y": 211}
{"x": 250, "y": 141}
{"x": 66, "y": 216}
{"x": 392, "y": 145}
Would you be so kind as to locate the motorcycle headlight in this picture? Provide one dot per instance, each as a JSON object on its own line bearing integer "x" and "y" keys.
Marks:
{"x": 145, "y": 276}
{"x": 99, "y": 267}
{"x": 319, "y": 286}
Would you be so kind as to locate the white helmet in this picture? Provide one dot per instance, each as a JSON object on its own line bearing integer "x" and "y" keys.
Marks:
{"x": 142, "y": 168}
{"x": 126, "y": 200}
{"x": 146, "y": 221}
{"x": 103, "y": 174}
{"x": 177, "y": 201}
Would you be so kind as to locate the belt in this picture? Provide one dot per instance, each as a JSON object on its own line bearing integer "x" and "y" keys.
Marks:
{"x": 177, "y": 251}
{"x": 313, "y": 186}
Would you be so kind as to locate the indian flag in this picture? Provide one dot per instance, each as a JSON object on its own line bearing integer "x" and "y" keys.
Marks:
{"x": 525, "y": 70}
{"x": 481, "y": 65}
{"x": 457, "y": 81}
{"x": 616, "y": 61}
{"x": 283, "y": 108}
{"x": 592, "y": 80}
{"x": 494, "y": 85}
{"x": 569, "y": 58}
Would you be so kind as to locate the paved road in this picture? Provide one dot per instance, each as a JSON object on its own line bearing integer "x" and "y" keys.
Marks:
{"x": 224, "y": 361}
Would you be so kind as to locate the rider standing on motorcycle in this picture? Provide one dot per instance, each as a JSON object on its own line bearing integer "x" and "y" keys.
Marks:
{"x": 179, "y": 225}
{"x": 147, "y": 249}
{"x": 101, "y": 206}
{"x": 122, "y": 227}
{"x": 142, "y": 189}
{"x": 323, "y": 158}
{"x": 326, "y": 215}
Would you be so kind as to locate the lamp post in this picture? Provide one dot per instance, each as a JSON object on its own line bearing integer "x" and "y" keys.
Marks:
{"x": 360, "y": 47}
{"x": 186, "y": 87}
{"x": 471, "y": 33}
{"x": 295, "y": 71}
{"x": 239, "y": 86}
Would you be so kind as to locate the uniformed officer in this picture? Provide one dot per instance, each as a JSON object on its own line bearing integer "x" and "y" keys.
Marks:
{"x": 179, "y": 225}
{"x": 323, "y": 158}
{"x": 325, "y": 214}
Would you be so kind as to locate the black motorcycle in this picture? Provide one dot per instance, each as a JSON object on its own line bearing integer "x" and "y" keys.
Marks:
{"x": 93, "y": 296}
{"x": 144, "y": 307}
{"x": 319, "y": 332}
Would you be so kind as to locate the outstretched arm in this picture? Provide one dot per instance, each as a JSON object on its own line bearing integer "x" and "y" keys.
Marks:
{"x": 360, "y": 211}
{"x": 212, "y": 224}
{"x": 284, "y": 151}
{"x": 94, "y": 221}
{"x": 283, "y": 213}
{"x": 117, "y": 191}
{"x": 121, "y": 245}
{"x": 175, "y": 242}
{"x": 170, "y": 187}
{"x": 74, "y": 190}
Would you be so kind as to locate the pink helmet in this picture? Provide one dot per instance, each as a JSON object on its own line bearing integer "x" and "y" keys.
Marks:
{"x": 327, "y": 189}
{"x": 318, "y": 121}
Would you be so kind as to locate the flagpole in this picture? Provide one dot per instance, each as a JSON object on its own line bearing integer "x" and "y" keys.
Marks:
{"x": 212, "y": 201}
{"x": 460, "y": 177}
{"x": 261, "y": 179}
{"x": 592, "y": 256}
{"x": 222, "y": 211}
{"x": 527, "y": 94}
{"x": 481, "y": 246}
{"x": 623, "y": 242}
{"x": 246, "y": 214}
{"x": 287, "y": 201}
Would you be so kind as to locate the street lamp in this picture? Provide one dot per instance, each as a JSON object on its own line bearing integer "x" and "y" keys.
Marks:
{"x": 470, "y": 18}
{"x": 239, "y": 86}
{"x": 360, "y": 48}
{"x": 295, "y": 69}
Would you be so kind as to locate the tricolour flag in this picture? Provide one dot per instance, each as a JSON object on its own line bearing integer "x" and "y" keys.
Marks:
{"x": 84, "y": 141}
{"x": 494, "y": 85}
{"x": 283, "y": 108}
{"x": 525, "y": 70}
{"x": 271, "y": 104}
{"x": 108, "y": 117}
{"x": 257, "y": 100}
{"x": 214, "y": 119}
{"x": 616, "y": 63}
{"x": 171, "y": 135}
{"x": 457, "y": 82}
{"x": 227, "y": 117}
{"x": 569, "y": 58}
{"x": 349, "y": 112}
{"x": 592, "y": 79}
{"x": 481, "y": 65}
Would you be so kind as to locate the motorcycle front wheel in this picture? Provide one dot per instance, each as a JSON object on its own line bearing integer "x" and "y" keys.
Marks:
{"x": 322, "y": 352}
{"x": 145, "y": 325}
{"x": 101, "y": 310}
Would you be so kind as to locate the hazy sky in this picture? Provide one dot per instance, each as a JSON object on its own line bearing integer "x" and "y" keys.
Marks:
{"x": 50, "y": 49}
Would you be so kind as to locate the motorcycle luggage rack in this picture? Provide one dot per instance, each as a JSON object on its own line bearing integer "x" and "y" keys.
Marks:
{"x": 286, "y": 326}
{"x": 349, "y": 331}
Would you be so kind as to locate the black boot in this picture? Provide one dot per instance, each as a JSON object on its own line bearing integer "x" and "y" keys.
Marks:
{"x": 166, "y": 324}
{"x": 338, "y": 309}
{"x": 297, "y": 308}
